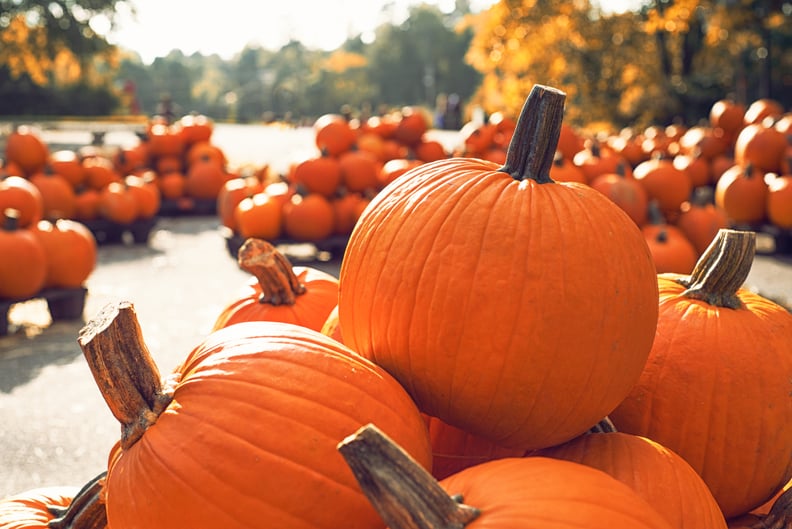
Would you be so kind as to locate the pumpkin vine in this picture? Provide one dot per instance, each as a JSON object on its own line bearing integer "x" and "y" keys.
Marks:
{"x": 533, "y": 146}
{"x": 278, "y": 282}
{"x": 722, "y": 269}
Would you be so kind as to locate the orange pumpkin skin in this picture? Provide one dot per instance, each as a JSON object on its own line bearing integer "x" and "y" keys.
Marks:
{"x": 438, "y": 327}
{"x": 23, "y": 262}
{"x": 529, "y": 492}
{"x": 25, "y": 148}
{"x": 254, "y": 427}
{"x": 71, "y": 252}
{"x": 657, "y": 474}
{"x": 19, "y": 193}
{"x": 779, "y": 201}
{"x": 741, "y": 192}
{"x": 31, "y": 509}
{"x": 454, "y": 449}
{"x": 740, "y": 440}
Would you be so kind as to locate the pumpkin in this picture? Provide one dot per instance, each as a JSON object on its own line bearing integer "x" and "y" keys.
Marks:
{"x": 411, "y": 126}
{"x": 713, "y": 334}
{"x": 279, "y": 292}
{"x": 727, "y": 115}
{"x": 100, "y": 171}
{"x": 657, "y": 474}
{"x": 57, "y": 194}
{"x": 146, "y": 192}
{"x": 67, "y": 163}
{"x": 204, "y": 178}
{"x": 25, "y": 148}
{"x": 664, "y": 183}
{"x": 244, "y": 432}
{"x": 761, "y": 146}
{"x": 741, "y": 192}
{"x": 19, "y": 193}
{"x": 701, "y": 220}
{"x": 509, "y": 493}
{"x": 671, "y": 250}
{"x": 359, "y": 170}
{"x": 70, "y": 249}
{"x": 86, "y": 204}
{"x": 333, "y": 134}
{"x": 454, "y": 449}
{"x": 259, "y": 215}
{"x": 779, "y": 201}
{"x": 234, "y": 191}
{"x": 394, "y": 168}
{"x": 23, "y": 261}
{"x": 563, "y": 170}
{"x": 347, "y": 207}
{"x": 318, "y": 174}
{"x": 332, "y": 327}
{"x": 56, "y": 507}
{"x": 627, "y": 193}
{"x": 429, "y": 150}
{"x": 308, "y": 217}
{"x": 118, "y": 204}
{"x": 596, "y": 159}
{"x": 196, "y": 128}
{"x": 761, "y": 109}
{"x": 458, "y": 273}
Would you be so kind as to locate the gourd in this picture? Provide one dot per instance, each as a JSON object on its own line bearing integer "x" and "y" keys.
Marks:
{"x": 501, "y": 300}
{"x": 277, "y": 291}
{"x": 243, "y": 433}
{"x": 715, "y": 389}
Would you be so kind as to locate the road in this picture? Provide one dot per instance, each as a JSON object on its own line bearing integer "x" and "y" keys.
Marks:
{"x": 56, "y": 427}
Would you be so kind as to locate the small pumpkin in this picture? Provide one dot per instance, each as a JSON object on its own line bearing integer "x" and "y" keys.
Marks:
{"x": 245, "y": 430}
{"x": 277, "y": 291}
{"x": 779, "y": 201}
{"x": 57, "y": 194}
{"x": 23, "y": 261}
{"x": 71, "y": 252}
{"x": 308, "y": 217}
{"x": 318, "y": 174}
{"x": 712, "y": 333}
{"x": 333, "y": 134}
{"x": 25, "y": 148}
{"x": 741, "y": 192}
{"x": 20, "y": 194}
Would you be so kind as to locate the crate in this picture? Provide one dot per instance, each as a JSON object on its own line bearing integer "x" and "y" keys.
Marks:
{"x": 64, "y": 304}
{"x": 296, "y": 251}
{"x": 109, "y": 232}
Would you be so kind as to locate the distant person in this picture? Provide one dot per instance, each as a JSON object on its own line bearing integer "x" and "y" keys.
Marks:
{"x": 441, "y": 108}
{"x": 167, "y": 109}
{"x": 453, "y": 114}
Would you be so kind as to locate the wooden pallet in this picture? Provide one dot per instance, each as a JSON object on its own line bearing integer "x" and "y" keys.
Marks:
{"x": 64, "y": 304}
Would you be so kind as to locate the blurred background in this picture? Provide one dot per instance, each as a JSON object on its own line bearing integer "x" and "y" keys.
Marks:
{"x": 627, "y": 62}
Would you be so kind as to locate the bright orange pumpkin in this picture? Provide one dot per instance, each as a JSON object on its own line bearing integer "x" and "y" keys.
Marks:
{"x": 451, "y": 280}
{"x": 71, "y": 252}
{"x": 23, "y": 262}
{"x": 244, "y": 432}
{"x": 714, "y": 334}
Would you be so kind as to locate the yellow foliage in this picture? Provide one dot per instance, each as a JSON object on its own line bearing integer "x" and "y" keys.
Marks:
{"x": 341, "y": 61}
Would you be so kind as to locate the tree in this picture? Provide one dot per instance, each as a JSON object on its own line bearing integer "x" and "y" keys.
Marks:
{"x": 51, "y": 44}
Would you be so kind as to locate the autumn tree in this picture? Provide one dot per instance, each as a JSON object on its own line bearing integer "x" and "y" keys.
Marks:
{"x": 55, "y": 43}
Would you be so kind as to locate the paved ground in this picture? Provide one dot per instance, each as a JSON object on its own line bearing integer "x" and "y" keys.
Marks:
{"x": 56, "y": 428}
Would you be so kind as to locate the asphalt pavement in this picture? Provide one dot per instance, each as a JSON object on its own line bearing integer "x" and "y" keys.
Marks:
{"x": 57, "y": 429}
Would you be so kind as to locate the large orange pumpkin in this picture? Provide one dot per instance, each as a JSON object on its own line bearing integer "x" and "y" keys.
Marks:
{"x": 509, "y": 493}
{"x": 500, "y": 299}
{"x": 716, "y": 387}
{"x": 243, "y": 434}
{"x": 279, "y": 292}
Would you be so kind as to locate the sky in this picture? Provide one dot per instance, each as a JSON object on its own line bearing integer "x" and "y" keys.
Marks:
{"x": 226, "y": 28}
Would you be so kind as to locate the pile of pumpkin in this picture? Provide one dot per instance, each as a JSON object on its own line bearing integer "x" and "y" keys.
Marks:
{"x": 679, "y": 184}
{"x": 484, "y": 359}
{"x": 322, "y": 195}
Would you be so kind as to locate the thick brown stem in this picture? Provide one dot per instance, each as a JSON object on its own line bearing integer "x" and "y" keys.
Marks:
{"x": 404, "y": 494}
{"x": 86, "y": 510}
{"x": 124, "y": 370}
{"x": 279, "y": 285}
{"x": 535, "y": 139}
{"x": 722, "y": 269}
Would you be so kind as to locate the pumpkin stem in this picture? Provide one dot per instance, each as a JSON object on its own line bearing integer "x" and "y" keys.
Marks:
{"x": 86, "y": 510}
{"x": 11, "y": 219}
{"x": 535, "y": 138}
{"x": 404, "y": 494}
{"x": 278, "y": 282}
{"x": 604, "y": 426}
{"x": 722, "y": 269}
{"x": 124, "y": 370}
{"x": 780, "y": 515}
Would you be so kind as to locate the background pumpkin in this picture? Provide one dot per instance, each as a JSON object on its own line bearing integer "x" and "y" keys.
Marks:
{"x": 430, "y": 292}
{"x": 70, "y": 249}
{"x": 23, "y": 262}
{"x": 279, "y": 292}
